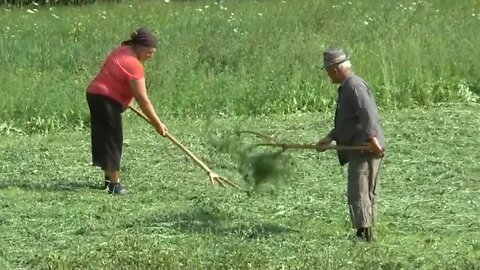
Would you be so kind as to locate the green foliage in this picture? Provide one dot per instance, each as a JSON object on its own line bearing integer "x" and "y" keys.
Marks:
{"x": 237, "y": 57}
{"x": 258, "y": 166}
{"x": 53, "y": 2}
{"x": 266, "y": 167}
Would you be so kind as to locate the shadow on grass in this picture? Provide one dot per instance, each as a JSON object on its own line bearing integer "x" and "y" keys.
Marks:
{"x": 51, "y": 185}
{"x": 202, "y": 220}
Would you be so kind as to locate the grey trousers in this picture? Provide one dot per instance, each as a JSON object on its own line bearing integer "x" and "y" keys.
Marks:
{"x": 362, "y": 189}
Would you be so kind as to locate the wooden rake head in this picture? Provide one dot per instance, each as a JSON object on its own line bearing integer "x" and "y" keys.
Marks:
{"x": 216, "y": 179}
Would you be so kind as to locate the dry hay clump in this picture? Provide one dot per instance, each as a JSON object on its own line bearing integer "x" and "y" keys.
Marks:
{"x": 258, "y": 165}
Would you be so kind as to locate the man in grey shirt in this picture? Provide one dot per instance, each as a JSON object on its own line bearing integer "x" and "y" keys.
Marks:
{"x": 357, "y": 122}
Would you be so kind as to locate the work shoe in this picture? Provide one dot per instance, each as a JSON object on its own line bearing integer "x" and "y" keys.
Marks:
{"x": 364, "y": 235}
{"x": 368, "y": 234}
{"x": 116, "y": 189}
{"x": 360, "y": 235}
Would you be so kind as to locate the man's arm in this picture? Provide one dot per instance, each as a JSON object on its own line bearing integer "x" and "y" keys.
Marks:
{"x": 365, "y": 110}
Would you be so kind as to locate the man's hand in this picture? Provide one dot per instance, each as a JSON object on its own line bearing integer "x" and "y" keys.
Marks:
{"x": 375, "y": 146}
{"x": 324, "y": 143}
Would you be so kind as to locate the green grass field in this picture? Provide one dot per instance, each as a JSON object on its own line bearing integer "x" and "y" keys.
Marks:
{"x": 53, "y": 216}
{"x": 237, "y": 57}
{"x": 251, "y": 64}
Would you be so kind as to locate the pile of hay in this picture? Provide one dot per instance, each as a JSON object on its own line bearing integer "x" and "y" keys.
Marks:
{"x": 258, "y": 166}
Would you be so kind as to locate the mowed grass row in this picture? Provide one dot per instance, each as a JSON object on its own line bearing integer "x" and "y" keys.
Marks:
{"x": 53, "y": 216}
{"x": 237, "y": 57}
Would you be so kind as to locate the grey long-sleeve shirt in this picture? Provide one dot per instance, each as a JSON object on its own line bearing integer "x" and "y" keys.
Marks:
{"x": 356, "y": 117}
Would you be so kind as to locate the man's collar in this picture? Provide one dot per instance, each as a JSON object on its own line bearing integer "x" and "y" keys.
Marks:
{"x": 346, "y": 78}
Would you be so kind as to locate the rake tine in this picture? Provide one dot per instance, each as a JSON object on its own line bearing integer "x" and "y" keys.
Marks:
{"x": 228, "y": 182}
{"x": 220, "y": 183}
{"x": 216, "y": 179}
{"x": 263, "y": 136}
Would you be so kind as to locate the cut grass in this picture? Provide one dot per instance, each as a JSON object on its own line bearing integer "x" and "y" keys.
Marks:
{"x": 52, "y": 216}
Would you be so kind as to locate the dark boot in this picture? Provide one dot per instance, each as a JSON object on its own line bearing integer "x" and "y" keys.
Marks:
{"x": 360, "y": 232}
{"x": 116, "y": 189}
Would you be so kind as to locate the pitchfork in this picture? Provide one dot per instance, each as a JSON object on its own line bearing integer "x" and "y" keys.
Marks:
{"x": 214, "y": 178}
{"x": 269, "y": 141}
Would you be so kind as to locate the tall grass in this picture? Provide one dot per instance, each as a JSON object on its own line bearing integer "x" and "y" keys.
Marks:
{"x": 237, "y": 57}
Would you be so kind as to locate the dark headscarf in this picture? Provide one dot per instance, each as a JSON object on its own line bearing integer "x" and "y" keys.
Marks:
{"x": 143, "y": 37}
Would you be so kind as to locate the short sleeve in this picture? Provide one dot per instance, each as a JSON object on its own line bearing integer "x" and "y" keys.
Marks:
{"x": 131, "y": 68}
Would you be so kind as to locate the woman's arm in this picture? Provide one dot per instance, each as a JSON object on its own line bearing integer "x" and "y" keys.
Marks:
{"x": 139, "y": 90}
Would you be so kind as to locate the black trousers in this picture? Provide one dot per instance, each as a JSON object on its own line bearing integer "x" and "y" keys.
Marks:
{"x": 106, "y": 131}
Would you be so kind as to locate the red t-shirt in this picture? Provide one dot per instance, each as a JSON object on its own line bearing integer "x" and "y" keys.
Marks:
{"x": 119, "y": 68}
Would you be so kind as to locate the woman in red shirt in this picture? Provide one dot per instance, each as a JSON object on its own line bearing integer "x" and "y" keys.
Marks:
{"x": 120, "y": 80}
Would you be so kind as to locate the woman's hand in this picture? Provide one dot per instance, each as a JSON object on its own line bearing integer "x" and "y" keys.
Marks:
{"x": 140, "y": 93}
{"x": 161, "y": 129}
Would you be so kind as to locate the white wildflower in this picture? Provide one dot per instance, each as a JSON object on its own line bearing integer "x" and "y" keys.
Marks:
{"x": 365, "y": 22}
{"x": 260, "y": 14}
{"x": 207, "y": 6}
{"x": 55, "y": 16}
{"x": 30, "y": 11}
{"x": 35, "y": 4}
{"x": 167, "y": 1}
{"x": 235, "y": 30}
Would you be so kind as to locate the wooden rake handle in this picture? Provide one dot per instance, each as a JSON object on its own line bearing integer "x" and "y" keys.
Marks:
{"x": 214, "y": 178}
{"x": 177, "y": 143}
{"x": 313, "y": 146}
